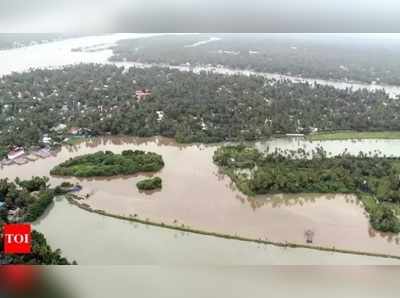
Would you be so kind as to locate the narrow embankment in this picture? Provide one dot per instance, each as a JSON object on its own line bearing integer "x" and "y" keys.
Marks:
{"x": 185, "y": 228}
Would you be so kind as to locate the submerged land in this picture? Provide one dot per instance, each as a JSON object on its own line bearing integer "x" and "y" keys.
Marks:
{"x": 218, "y": 207}
{"x": 374, "y": 179}
{"x": 87, "y": 114}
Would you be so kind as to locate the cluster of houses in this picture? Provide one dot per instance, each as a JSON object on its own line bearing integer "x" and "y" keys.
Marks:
{"x": 18, "y": 155}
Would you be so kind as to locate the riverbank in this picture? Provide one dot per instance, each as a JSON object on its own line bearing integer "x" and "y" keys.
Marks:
{"x": 338, "y": 220}
{"x": 356, "y": 135}
{"x": 185, "y": 228}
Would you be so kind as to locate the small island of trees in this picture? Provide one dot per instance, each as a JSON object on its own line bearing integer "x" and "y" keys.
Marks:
{"x": 150, "y": 184}
{"x": 375, "y": 179}
{"x": 109, "y": 164}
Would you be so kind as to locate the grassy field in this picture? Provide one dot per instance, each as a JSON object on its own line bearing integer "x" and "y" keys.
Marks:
{"x": 345, "y": 135}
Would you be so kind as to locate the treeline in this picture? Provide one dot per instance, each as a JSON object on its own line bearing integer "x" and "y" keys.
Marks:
{"x": 28, "y": 199}
{"x": 331, "y": 57}
{"x": 109, "y": 164}
{"x": 189, "y": 107}
{"x": 300, "y": 171}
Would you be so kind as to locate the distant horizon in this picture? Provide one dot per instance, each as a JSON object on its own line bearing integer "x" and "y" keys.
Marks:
{"x": 381, "y": 35}
{"x": 89, "y": 16}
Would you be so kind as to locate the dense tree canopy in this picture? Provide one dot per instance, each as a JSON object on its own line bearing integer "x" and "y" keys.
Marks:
{"x": 109, "y": 164}
{"x": 342, "y": 58}
{"x": 150, "y": 184}
{"x": 31, "y": 197}
{"x": 299, "y": 171}
{"x": 190, "y": 107}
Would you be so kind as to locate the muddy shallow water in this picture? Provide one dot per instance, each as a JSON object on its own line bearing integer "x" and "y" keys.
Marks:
{"x": 93, "y": 239}
{"x": 197, "y": 194}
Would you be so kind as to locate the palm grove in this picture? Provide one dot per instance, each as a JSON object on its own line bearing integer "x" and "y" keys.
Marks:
{"x": 190, "y": 107}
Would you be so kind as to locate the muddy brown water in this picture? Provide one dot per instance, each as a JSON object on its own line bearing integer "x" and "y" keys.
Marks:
{"x": 195, "y": 193}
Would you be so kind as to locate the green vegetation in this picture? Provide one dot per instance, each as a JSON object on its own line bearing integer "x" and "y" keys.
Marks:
{"x": 375, "y": 179}
{"x": 110, "y": 164}
{"x": 74, "y": 140}
{"x": 150, "y": 184}
{"x": 303, "y": 55}
{"x": 3, "y": 152}
{"x": 35, "y": 184}
{"x": 25, "y": 201}
{"x": 42, "y": 254}
{"x": 345, "y": 135}
{"x": 28, "y": 198}
{"x": 36, "y": 209}
{"x": 189, "y": 107}
{"x": 66, "y": 184}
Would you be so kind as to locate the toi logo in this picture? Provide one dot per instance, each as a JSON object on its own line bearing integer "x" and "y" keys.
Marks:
{"x": 17, "y": 239}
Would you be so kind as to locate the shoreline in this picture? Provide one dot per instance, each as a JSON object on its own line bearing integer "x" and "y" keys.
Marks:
{"x": 391, "y": 90}
{"x": 189, "y": 229}
{"x": 345, "y": 135}
{"x": 337, "y": 135}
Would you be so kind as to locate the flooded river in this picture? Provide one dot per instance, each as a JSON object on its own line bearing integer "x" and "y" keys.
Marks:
{"x": 58, "y": 53}
{"x": 93, "y": 239}
{"x": 196, "y": 194}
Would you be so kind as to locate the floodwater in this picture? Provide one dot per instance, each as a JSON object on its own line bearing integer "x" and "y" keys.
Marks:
{"x": 58, "y": 53}
{"x": 195, "y": 193}
{"x": 93, "y": 239}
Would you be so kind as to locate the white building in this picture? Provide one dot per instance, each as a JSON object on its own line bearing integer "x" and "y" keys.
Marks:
{"x": 46, "y": 139}
{"x": 15, "y": 154}
{"x": 60, "y": 127}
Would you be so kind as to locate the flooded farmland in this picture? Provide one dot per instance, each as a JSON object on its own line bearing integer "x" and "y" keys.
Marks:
{"x": 195, "y": 193}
